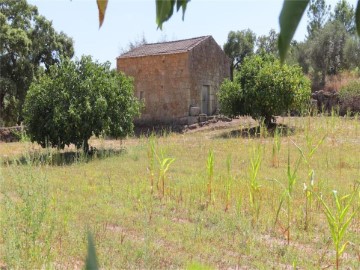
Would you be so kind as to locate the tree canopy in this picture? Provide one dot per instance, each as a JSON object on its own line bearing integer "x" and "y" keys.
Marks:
{"x": 28, "y": 42}
{"x": 263, "y": 88}
{"x": 78, "y": 99}
{"x": 238, "y": 45}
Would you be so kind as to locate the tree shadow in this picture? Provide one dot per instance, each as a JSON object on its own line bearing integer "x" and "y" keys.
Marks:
{"x": 157, "y": 130}
{"x": 257, "y": 132}
{"x": 63, "y": 158}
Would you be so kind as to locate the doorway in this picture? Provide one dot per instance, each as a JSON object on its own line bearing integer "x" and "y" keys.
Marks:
{"x": 205, "y": 99}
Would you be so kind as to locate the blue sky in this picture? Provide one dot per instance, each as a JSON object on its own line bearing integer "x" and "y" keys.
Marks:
{"x": 129, "y": 20}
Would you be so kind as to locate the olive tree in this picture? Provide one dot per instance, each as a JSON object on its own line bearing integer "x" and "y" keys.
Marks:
{"x": 78, "y": 99}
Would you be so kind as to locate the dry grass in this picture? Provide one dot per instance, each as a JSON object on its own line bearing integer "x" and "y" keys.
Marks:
{"x": 136, "y": 229}
{"x": 336, "y": 82}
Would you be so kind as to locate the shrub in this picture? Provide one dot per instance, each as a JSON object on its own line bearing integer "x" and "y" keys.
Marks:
{"x": 76, "y": 100}
{"x": 264, "y": 88}
{"x": 350, "y": 97}
{"x": 230, "y": 98}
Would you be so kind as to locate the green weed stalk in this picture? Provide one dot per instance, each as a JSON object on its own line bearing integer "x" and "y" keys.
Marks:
{"x": 164, "y": 165}
{"x": 210, "y": 173}
{"x": 229, "y": 183}
{"x": 253, "y": 184}
{"x": 307, "y": 157}
{"x": 276, "y": 148}
{"x": 339, "y": 219}
{"x": 288, "y": 195}
{"x": 151, "y": 158}
{"x": 27, "y": 222}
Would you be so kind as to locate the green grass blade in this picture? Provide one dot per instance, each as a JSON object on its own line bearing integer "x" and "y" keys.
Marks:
{"x": 342, "y": 249}
{"x": 345, "y": 225}
{"x": 279, "y": 208}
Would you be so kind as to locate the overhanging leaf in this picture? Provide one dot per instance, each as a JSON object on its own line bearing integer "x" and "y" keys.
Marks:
{"x": 357, "y": 17}
{"x": 182, "y": 4}
{"x": 91, "y": 258}
{"x": 290, "y": 17}
{"x": 102, "y": 4}
{"x": 165, "y": 9}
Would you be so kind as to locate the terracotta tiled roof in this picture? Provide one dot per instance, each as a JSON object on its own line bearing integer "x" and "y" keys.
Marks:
{"x": 170, "y": 47}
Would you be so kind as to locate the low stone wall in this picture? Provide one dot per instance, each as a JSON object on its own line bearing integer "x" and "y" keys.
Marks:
{"x": 10, "y": 134}
{"x": 326, "y": 101}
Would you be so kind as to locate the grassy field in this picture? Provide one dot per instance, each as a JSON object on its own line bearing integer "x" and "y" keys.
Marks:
{"x": 237, "y": 198}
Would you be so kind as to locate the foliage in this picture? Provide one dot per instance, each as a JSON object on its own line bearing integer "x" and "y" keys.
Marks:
{"x": 264, "y": 88}
{"x": 230, "y": 98}
{"x": 76, "y": 100}
{"x": 102, "y": 5}
{"x": 91, "y": 262}
{"x": 28, "y": 42}
{"x": 268, "y": 44}
{"x": 326, "y": 50}
{"x": 27, "y": 222}
{"x": 165, "y": 9}
{"x": 287, "y": 195}
{"x": 239, "y": 44}
{"x": 339, "y": 220}
{"x": 299, "y": 54}
{"x": 110, "y": 198}
{"x": 350, "y": 97}
{"x": 289, "y": 19}
{"x": 352, "y": 52}
{"x": 318, "y": 14}
{"x": 344, "y": 13}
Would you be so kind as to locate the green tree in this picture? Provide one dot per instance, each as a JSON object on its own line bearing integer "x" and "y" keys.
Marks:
{"x": 76, "y": 100}
{"x": 264, "y": 88}
{"x": 326, "y": 51}
{"x": 27, "y": 42}
{"x": 352, "y": 52}
{"x": 318, "y": 14}
{"x": 239, "y": 44}
{"x": 344, "y": 13}
{"x": 299, "y": 54}
{"x": 268, "y": 44}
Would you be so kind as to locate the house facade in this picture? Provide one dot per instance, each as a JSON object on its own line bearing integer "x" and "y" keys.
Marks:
{"x": 176, "y": 80}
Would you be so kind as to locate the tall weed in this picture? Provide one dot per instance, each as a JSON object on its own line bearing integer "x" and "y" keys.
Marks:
{"x": 27, "y": 221}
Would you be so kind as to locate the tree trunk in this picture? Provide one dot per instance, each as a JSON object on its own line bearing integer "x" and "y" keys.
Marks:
{"x": 85, "y": 146}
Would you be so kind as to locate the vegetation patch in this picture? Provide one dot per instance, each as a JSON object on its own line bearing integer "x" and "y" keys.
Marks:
{"x": 192, "y": 199}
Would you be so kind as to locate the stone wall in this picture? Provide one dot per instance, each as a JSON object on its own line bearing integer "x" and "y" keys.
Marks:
{"x": 209, "y": 66}
{"x": 329, "y": 100}
{"x": 10, "y": 134}
{"x": 326, "y": 100}
{"x": 170, "y": 84}
{"x": 162, "y": 82}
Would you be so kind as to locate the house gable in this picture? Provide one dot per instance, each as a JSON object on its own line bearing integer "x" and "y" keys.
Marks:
{"x": 168, "y": 76}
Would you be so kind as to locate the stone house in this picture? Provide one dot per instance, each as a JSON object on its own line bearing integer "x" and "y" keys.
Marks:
{"x": 176, "y": 80}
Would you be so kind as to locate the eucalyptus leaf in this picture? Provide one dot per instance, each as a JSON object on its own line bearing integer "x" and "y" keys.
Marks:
{"x": 91, "y": 258}
{"x": 165, "y": 9}
{"x": 290, "y": 16}
{"x": 102, "y": 4}
{"x": 357, "y": 17}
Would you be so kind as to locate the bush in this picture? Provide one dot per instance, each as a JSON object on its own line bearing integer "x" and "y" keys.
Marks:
{"x": 230, "y": 98}
{"x": 350, "y": 97}
{"x": 76, "y": 100}
{"x": 264, "y": 88}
